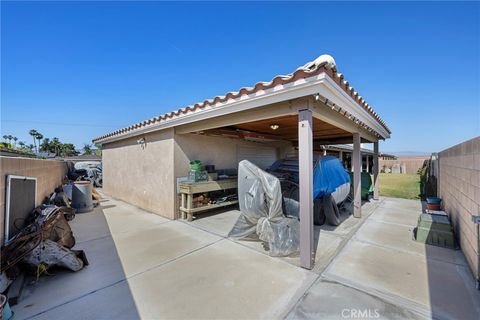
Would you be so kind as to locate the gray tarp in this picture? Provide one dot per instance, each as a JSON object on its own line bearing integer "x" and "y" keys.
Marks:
{"x": 262, "y": 218}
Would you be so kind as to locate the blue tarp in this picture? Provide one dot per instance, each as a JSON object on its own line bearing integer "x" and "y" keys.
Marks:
{"x": 328, "y": 175}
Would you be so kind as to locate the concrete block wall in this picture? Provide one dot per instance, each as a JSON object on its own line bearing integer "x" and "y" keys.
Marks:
{"x": 459, "y": 187}
{"x": 49, "y": 174}
{"x": 412, "y": 164}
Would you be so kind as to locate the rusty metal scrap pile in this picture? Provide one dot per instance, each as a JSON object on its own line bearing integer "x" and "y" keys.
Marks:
{"x": 46, "y": 241}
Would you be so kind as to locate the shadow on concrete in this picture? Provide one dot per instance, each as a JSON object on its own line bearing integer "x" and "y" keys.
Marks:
{"x": 451, "y": 283}
{"x": 213, "y": 212}
{"x": 99, "y": 290}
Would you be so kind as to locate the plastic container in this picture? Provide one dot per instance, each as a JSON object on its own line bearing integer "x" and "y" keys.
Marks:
{"x": 196, "y": 176}
{"x": 195, "y": 165}
{"x": 433, "y": 206}
{"x": 6, "y": 311}
{"x": 82, "y": 196}
{"x": 434, "y": 200}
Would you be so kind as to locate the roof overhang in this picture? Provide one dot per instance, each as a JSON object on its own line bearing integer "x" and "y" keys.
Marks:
{"x": 320, "y": 86}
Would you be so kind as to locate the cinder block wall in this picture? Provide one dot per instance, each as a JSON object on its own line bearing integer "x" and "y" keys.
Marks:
{"x": 49, "y": 174}
{"x": 459, "y": 187}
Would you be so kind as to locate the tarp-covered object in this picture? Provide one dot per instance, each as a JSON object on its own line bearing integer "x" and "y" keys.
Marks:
{"x": 260, "y": 199}
{"x": 330, "y": 177}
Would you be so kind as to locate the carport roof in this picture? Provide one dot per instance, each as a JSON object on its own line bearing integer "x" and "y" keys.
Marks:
{"x": 323, "y": 64}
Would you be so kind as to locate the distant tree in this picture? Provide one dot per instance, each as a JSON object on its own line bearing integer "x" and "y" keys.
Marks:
{"x": 98, "y": 150}
{"x": 8, "y": 141}
{"x": 39, "y": 137}
{"x": 15, "y": 139}
{"x": 31, "y": 147}
{"x": 55, "y": 146}
{"x": 34, "y": 134}
{"x": 45, "y": 145}
{"x": 87, "y": 149}
{"x": 21, "y": 144}
{"x": 68, "y": 149}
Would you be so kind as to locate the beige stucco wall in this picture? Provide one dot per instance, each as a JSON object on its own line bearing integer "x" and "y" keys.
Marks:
{"x": 459, "y": 187}
{"x": 222, "y": 152}
{"x": 49, "y": 174}
{"x": 142, "y": 175}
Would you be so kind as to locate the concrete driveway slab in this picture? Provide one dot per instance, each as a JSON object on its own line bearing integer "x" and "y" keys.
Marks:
{"x": 221, "y": 281}
{"x": 413, "y": 205}
{"x": 413, "y": 280}
{"x": 217, "y": 222}
{"x": 400, "y": 237}
{"x": 121, "y": 217}
{"x": 142, "y": 249}
{"x": 89, "y": 226}
{"x": 330, "y": 300}
{"x": 114, "y": 302}
{"x": 104, "y": 270}
{"x": 327, "y": 245}
{"x": 396, "y": 215}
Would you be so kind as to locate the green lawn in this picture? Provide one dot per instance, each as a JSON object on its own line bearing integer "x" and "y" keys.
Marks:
{"x": 396, "y": 185}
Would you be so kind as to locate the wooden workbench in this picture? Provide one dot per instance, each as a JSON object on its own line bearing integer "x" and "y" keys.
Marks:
{"x": 188, "y": 189}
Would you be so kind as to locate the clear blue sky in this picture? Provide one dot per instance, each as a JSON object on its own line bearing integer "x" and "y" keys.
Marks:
{"x": 98, "y": 66}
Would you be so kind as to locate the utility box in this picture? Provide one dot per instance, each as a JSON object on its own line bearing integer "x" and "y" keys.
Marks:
{"x": 435, "y": 230}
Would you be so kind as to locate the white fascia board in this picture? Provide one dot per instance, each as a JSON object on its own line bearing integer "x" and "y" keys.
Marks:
{"x": 289, "y": 91}
{"x": 337, "y": 95}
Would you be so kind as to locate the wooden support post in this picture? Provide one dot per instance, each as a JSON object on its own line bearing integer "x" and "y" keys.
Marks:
{"x": 305, "y": 152}
{"x": 189, "y": 207}
{"x": 184, "y": 206}
{"x": 357, "y": 170}
{"x": 376, "y": 170}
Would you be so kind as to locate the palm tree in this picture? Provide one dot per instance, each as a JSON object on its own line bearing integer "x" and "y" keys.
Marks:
{"x": 5, "y": 137}
{"x": 30, "y": 146}
{"x": 34, "y": 134}
{"x": 15, "y": 139}
{"x": 56, "y": 145}
{"x": 39, "y": 137}
{"x": 21, "y": 144}
{"x": 45, "y": 145}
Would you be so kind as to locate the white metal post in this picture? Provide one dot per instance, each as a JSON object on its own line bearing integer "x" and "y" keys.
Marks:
{"x": 305, "y": 152}
{"x": 376, "y": 170}
{"x": 357, "y": 169}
